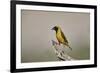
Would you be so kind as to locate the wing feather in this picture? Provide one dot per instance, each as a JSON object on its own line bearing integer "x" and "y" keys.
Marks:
{"x": 64, "y": 37}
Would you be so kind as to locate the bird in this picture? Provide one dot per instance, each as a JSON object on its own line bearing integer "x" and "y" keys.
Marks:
{"x": 61, "y": 37}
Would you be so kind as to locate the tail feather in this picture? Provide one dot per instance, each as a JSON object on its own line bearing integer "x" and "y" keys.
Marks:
{"x": 68, "y": 46}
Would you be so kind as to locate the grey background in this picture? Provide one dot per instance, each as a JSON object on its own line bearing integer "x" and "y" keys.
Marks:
{"x": 36, "y": 33}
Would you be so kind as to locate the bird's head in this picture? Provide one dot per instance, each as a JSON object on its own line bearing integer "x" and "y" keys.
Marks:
{"x": 55, "y": 28}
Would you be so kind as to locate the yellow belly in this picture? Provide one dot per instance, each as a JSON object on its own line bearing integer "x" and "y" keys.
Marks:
{"x": 59, "y": 37}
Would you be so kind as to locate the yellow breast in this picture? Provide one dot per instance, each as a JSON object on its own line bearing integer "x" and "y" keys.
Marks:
{"x": 59, "y": 36}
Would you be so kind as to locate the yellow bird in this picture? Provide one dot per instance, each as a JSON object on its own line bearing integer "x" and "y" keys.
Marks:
{"x": 61, "y": 37}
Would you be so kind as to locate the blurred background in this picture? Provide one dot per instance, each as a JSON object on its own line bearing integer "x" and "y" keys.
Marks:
{"x": 37, "y": 36}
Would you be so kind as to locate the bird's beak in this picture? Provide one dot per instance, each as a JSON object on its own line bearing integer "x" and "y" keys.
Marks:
{"x": 52, "y": 29}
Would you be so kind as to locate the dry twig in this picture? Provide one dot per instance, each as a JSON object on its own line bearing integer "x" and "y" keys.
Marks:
{"x": 60, "y": 52}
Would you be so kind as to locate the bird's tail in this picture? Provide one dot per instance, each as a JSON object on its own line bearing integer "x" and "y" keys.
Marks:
{"x": 68, "y": 46}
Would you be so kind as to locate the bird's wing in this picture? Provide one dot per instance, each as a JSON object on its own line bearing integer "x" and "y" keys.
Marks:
{"x": 64, "y": 37}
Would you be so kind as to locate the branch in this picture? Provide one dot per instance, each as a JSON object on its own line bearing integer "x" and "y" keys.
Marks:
{"x": 60, "y": 52}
